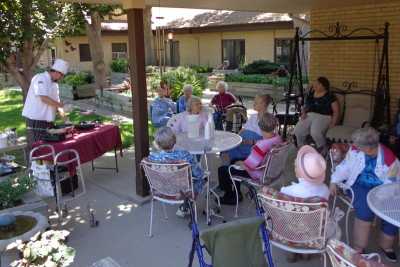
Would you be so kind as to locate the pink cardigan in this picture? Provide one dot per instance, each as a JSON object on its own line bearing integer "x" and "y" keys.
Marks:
{"x": 257, "y": 156}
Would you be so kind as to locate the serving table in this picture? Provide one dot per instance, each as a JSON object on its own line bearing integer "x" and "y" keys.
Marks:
{"x": 91, "y": 144}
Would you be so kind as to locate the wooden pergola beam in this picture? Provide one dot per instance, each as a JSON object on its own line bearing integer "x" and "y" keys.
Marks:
{"x": 139, "y": 94}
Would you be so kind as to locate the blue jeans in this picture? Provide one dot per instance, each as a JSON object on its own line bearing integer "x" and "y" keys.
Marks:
{"x": 364, "y": 213}
{"x": 243, "y": 151}
{"x": 218, "y": 120}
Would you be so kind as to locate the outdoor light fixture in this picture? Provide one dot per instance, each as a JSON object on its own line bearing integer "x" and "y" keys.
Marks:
{"x": 170, "y": 35}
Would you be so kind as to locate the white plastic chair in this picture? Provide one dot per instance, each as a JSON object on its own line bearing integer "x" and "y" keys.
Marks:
{"x": 345, "y": 195}
{"x": 340, "y": 255}
{"x": 167, "y": 183}
{"x": 274, "y": 165}
{"x": 298, "y": 227}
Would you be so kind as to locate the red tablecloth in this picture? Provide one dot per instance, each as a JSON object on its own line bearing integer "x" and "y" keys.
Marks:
{"x": 90, "y": 144}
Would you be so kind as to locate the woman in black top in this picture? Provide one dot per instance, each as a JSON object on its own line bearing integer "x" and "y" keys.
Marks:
{"x": 320, "y": 112}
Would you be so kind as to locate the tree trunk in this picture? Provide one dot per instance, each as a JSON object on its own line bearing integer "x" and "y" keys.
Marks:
{"x": 148, "y": 36}
{"x": 93, "y": 32}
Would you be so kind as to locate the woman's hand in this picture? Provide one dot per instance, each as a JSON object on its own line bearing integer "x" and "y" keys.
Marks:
{"x": 333, "y": 189}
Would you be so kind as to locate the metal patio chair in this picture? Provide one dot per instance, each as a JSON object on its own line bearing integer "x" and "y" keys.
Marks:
{"x": 346, "y": 194}
{"x": 274, "y": 165}
{"x": 167, "y": 183}
{"x": 297, "y": 225}
{"x": 341, "y": 255}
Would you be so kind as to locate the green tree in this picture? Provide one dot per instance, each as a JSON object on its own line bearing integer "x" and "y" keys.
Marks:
{"x": 27, "y": 26}
{"x": 87, "y": 18}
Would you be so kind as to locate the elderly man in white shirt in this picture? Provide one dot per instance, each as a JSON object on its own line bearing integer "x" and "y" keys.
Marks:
{"x": 43, "y": 100}
{"x": 250, "y": 132}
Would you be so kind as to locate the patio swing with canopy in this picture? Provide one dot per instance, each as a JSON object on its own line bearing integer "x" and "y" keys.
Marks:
{"x": 379, "y": 97}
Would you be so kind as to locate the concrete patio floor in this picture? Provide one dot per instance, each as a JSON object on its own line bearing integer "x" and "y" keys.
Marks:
{"x": 124, "y": 220}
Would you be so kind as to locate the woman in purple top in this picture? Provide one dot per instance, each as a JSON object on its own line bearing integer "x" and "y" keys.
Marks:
{"x": 220, "y": 101}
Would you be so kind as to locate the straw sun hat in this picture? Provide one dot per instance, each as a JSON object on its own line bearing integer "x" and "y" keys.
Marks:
{"x": 310, "y": 165}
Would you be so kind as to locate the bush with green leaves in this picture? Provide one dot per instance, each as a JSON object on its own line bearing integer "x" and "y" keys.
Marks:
{"x": 12, "y": 190}
{"x": 78, "y": 78}
{"x": 260, "y": 67}
{"x": 119, "y": 65}
{"x": 201, "y": 68}
{"x": 257, "y": 78}
{"x": 177, "y": 78}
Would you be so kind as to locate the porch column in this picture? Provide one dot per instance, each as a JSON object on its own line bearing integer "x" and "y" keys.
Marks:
{"x": 139, "y": 94}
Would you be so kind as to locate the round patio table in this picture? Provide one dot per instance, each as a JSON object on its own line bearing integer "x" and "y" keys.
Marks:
{"x": 384, "y": 201}
{"x": 222, "y": 141}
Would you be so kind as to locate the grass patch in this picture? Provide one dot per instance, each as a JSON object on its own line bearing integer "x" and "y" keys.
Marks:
{"x": 11, "y": 110}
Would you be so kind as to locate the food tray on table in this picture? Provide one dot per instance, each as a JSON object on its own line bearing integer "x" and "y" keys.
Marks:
{"x": 86, "y": 125}
{"x": 58, "y": 133}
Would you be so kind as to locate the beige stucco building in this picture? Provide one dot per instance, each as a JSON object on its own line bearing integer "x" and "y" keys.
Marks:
{"x": 208, "y": 45}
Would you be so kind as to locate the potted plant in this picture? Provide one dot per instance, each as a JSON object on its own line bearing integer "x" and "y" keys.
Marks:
{"x": 45, "y": 250}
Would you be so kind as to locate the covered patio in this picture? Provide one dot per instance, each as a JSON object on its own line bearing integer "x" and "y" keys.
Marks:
{"x": 323, "y": 15}
{"x": 119, "y": 198}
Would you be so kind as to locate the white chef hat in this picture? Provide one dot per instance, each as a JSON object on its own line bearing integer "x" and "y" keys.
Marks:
{"x": 60, "y": 65}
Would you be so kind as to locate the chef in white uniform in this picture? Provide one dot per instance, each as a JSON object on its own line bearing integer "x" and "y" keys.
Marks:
{"x": 43, "y": 100}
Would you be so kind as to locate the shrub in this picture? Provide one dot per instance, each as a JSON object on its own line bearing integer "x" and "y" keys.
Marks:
{"x": 256, "y": 78}
{"x": 260, "y": 67}
{"x": 79, "y": 78}
{"x": 201, "y": 68}
{"x": 251, "y": 78}
{"x": 177, "y": 78}
{"x": 13, "y": 188}
{"x": 119, "y": 65}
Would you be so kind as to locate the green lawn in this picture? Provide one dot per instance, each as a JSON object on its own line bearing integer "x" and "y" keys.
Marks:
{"x": 11, "y": 109}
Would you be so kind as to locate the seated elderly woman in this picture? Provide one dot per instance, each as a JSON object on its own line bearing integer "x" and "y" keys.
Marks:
{"x": 368, "y": 164}
{"x": 165, "y": 140}
{"x": 250, "y": 132}
{"x": 182, "y": 100}
{"x": 193, "y": 107}
{"x": 220, "y": 102}
{"x": 320, "y": 112}
{"x": 267, "y": 123}
{"x": 162, "y": 107}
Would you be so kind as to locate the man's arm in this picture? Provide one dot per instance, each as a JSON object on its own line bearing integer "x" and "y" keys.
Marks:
{"x": 51, "y": 102}
{"x": 58, "y": 105}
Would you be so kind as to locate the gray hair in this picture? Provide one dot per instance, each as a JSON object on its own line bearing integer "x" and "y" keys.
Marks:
{"x": 193, "y": 99}
{"x": 223, "y": 84}
{"x": 366, "y": 137}
{"x": 165, "y": 138}
{"x": 266, "y": 98}
{"x": 187, "y": 87}
{"x": 267, "y": 122}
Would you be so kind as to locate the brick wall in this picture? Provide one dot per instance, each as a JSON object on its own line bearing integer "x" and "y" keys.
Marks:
{"x": 354, "y": 60}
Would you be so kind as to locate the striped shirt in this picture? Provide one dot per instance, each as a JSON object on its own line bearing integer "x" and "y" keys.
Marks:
{"x": 257, "y": 156}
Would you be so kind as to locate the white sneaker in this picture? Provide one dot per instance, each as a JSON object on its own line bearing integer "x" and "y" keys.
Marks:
{"x": 182, "y": 212}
